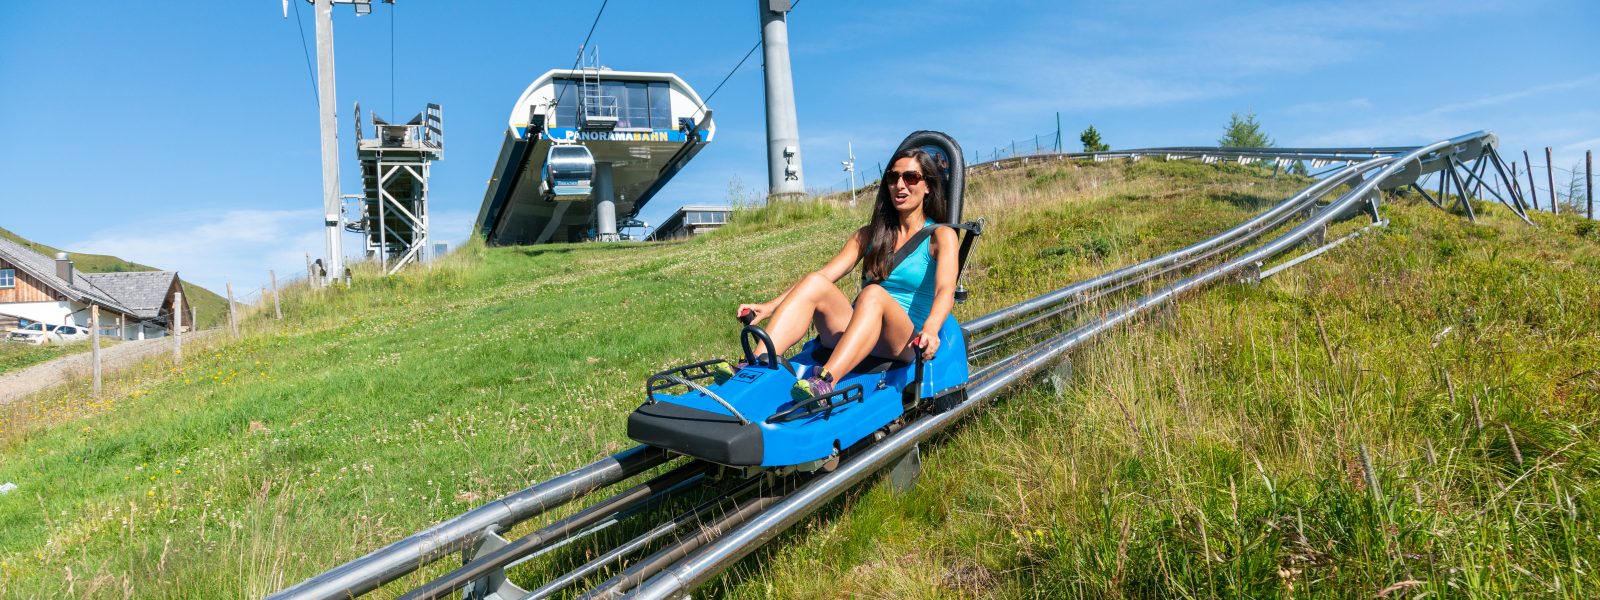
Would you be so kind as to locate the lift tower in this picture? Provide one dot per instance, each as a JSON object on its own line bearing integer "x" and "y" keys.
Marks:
{"x": 328, "y": 121}
{"x": 784, "y": 179}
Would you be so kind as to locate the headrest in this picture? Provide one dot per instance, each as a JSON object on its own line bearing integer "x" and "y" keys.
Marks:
{"x": 947, "y": 153}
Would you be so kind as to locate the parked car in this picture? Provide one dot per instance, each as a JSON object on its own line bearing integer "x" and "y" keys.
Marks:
{"x": 39, "y": 334}
{"x": 72, "y": 333}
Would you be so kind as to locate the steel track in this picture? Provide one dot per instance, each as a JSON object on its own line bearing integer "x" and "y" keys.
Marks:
{"x": 695, "y": 545}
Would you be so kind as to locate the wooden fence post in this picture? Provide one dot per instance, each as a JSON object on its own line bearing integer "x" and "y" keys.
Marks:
{"x": 233, "y": 316}
{"x": 177, "y": 328}
{"x": 1588, "y": 178}
{"x": 1550, "y": 170}
{"x": 94, "y": 344}
{"x": 1533, "y": 192}
{"x": 277, "y": 307}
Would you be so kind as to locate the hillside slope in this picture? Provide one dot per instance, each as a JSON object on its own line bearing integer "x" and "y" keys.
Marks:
{"x": 1292, "y": 437}
{"x": 211, "y": 308}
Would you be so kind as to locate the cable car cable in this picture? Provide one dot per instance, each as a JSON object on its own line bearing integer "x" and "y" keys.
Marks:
{"x": 568, "y": 81}
{"x": 311, "y": 73}
{"x": 725, "y": 78}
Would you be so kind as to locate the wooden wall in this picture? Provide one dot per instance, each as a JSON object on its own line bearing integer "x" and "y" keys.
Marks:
{"x": 27, "y": 289}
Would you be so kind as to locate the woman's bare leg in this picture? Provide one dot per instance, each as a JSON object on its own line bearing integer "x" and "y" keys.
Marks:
{"x": 877, "y": 326}
{"x": 813, "y": 301}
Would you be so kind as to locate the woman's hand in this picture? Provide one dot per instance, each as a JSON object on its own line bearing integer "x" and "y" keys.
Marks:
{"x": 758, "y": 312}
{"x": 928, "y": 341}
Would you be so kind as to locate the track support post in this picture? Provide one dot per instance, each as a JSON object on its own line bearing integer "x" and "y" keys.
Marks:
{"x": 905, "y": 472}
{"x": 493, "y": 586}
{"x": 1374, "y": 202}
{"x": 1061, "y": 377}
{"x": 1250, "y": 274}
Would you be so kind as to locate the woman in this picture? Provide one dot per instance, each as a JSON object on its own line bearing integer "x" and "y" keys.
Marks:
{"x": 896, "y": 309}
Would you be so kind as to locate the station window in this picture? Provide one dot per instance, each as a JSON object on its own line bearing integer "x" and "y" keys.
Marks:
{"x": 567, "y": 91}
{"x": 705, "y": 217}
{"x": 661, "y": 105}
{"x": 8, "y": 278}
{"x": 640, "y": 104}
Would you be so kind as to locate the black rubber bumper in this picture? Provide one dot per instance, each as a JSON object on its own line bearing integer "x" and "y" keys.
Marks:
{"x": 701, "y": 434}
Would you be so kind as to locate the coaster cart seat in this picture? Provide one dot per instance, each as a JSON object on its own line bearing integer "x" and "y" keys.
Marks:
{"x": 751, "y": 419}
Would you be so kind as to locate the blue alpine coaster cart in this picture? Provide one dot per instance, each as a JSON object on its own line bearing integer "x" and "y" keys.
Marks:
{"x": 751, "y": 420}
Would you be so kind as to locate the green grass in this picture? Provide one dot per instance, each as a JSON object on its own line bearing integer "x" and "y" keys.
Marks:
{"x": 211, "y": 309}
{"x": 17, "y": 356}
{"x": 1217, "y": 452}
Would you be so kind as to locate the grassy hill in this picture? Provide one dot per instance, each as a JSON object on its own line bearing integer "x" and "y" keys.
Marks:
{"x": 1414, "y": 410}
{"x": 211, "y": 308}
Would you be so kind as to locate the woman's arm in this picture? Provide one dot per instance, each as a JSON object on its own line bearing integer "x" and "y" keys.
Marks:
{"x": 945, "y": 249}
{"x": 840, "y": 265}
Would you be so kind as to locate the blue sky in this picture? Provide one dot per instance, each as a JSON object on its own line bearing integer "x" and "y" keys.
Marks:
{"x": 184, "y": 134}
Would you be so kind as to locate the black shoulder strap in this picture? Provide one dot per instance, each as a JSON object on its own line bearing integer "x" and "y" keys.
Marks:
{"x": 905, "y": 250}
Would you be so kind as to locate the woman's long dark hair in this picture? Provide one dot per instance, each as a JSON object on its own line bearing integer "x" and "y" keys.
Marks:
{"x": 884, "y": 230}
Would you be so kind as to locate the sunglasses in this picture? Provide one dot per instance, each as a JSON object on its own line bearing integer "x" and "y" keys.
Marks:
{"x": 909, "y": 177}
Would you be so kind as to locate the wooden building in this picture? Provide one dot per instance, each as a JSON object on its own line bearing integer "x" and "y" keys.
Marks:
{"x": 133, "y": 305}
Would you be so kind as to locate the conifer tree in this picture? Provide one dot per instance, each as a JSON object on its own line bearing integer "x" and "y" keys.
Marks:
{"x": 1091, "y": 141}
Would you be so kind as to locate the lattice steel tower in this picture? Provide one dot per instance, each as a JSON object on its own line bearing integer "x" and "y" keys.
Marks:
{"x": 393, "y": 210}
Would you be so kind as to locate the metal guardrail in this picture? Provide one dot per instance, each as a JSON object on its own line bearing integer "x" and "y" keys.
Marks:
{"x": 743, "y": 527}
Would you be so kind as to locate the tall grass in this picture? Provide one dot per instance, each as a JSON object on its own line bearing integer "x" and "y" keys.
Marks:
{"x": 1217, "y": 452}
{"x": 1413, "y": 415}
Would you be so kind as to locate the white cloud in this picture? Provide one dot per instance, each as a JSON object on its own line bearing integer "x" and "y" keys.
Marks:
{"x": 1517, "y": 129}
{"x": 1498, "y": 99}
{"x": 212, "y": 249}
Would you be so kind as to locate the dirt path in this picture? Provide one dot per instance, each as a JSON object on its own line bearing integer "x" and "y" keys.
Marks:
{"x": 43, "y": 376}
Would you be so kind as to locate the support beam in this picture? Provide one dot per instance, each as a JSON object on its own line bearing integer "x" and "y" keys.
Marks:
{"x": 1533, "y": 191}
{"x": 1512, "y": 189}
{"x": 1427, "y": 197}
{"x": 605, "y": 203}
{"x": 328, "y": 122}
{"x": 1550, "y": 171}
{"x": 784, "y": 178}
{"x": 1461, "y": 189}
{"x": 1482, "y": 185}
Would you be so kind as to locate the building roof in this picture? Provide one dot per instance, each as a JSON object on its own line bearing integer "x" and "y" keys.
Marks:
{"x": 676, "y": 220}
{"x": 143, "y": 291}
{"x": 43, "y": 268}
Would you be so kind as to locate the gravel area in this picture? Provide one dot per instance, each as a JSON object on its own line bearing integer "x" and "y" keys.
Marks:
{"x": 20, "y": 384}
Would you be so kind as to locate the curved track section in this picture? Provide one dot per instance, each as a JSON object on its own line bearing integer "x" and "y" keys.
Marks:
{"x": 740, "y": 514}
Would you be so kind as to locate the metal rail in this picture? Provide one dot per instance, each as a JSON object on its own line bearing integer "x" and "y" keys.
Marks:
{"x": 500, "y": 558}
{"x": 745, "y": 525}
{"x": 713, "y": 558}
{"x": 1244, "y": 232}
{"x": 391, "y": 562}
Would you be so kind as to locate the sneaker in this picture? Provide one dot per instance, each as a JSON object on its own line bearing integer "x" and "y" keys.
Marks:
{"x": 811, "y": 387}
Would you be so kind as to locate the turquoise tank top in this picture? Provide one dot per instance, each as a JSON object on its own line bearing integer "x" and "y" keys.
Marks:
{"x": 912, "y": 282}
